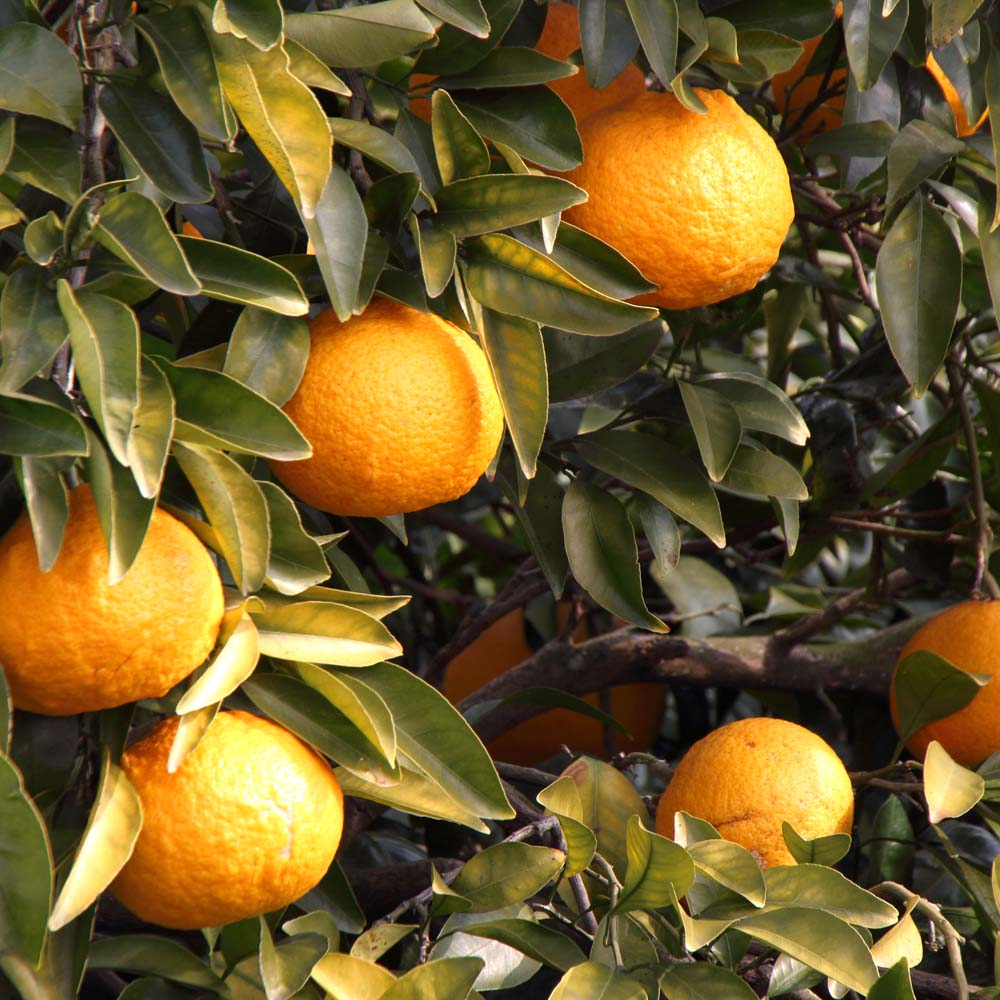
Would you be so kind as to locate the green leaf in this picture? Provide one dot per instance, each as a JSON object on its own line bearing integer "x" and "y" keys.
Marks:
{"x": 378, "y": 939}
{"x": 657, "y": 468}
{"x": 285, "y": 969}
{"x": 475, "y": 205}
{"x": 902, "y": 942}
{"x": 660, "y": 529}
{"x": 468, "y": 15}
{"x": 509, "y": 66}
{"x": 213, "y": 408}
{"x": 235, "y": 508}
{"x": 312, "y": 71}
{"x": 32, "y": 328}
{"x": 46, "y": 156}
{"x": 506, "y": 275}
{"x": 870, "y": 38}
{"x": 25, "y": 868}
{"x": 593, "y": 981}
{"x": 162, "y": 142}
{"x": 919, "y": 279}
{"x": 258, "y": 21}
{"x": 819, "y": 887}
{"x": 38, "y": 75}
{"x": 440, "y": 979}
{"x": 894, "y": 984}
{"x": 562, "y": 799}
{"x": 656, "y": 22}
{"x": 701, "y": 981}
{"x": 104, "y": 335}
{"x": 152, "y": 429}
{"x": 516, "y": 355}
{"x": 10, "y": 214}
{"x": 228, "y": 668}
{"x": 107, "y": 843}
{"x": 820, "y": 940}
{"x": 457, "y": 51}
{"x": 435, "y": 737}
{"x": 760, "y": 405}
{"x": 893, "y": 842}
{"x": 375, "y": 143}
{"x": 657, "y": 869}
{"x": 351, "y": 978}
{"x": 756, "y": 472}
{"x": 47, "y": 502}
{"x": 716, "y": 425}
{"x": 133, "y": 229}
{"x": 531, "y": 120}
{"x": 295, "y": 706}
{"x": 540, "y": 943}
{"x": 826, "y": 850}
{"x": 43, "y": 238}
{"x": 376, "y": 605}
{"x": 555, "y": 698}
{"x": 147, "y": 954}
{"x": 458, "y": 148}
{"x": 731, "y": 865}
{"x": 929, "y": 687}
{"x": 601, "y": 548}
{"x": 918, "y": 152}
{"x": 32, "y": 426}
{"x": 281, "y": 114}
{"x": 184, "y": 52}
{"x": 321, "y": 632}
{"x": 950, "y": 789}
{"x": 267, "y": 352}
{"x": 948, "y": 17}
{"x": 607, "y": 39}
{"x": 438, "y": 250}
{"x": 296, "y": 562}
{"x": 338, "y": 231}
{"x": 505, "y": 874}
{"x": 365, "y": 35}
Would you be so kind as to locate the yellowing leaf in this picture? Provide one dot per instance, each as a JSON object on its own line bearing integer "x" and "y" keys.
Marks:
{"x": 950, "y": 789}
{"x": 229, "y": 668}
{"x": 901, "y": 941}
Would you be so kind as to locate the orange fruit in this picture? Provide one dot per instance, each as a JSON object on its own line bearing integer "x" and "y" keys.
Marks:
{"x": 699, "y": 202}
{"x": 400, "y": 409}
{"x": 793, "y": 93}
{"x": 560, "y": 38}
{"x": 638, "y": 707}
{"x": 963, "y": 127}
{"x": 747, "y": 777}
{"x": 71, "y": 642}
{"x": 247, "y": 824}
{"x": 188, "y": 228}
{"x": 965, "y": 634}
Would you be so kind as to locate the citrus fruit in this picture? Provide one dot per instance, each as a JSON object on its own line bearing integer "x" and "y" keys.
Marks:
{"x": 559, "y": 39}
{"x": 638, "y": 707}
{"x": 248, "y": 823}
{"x": 71, "y": 642}
{"x": 747, "y": 777}
{"x": 966, "y": 635}
{"x": 699, "y": 202}
{"x": 400, "y": 409}
{"x": 963, "y": 127}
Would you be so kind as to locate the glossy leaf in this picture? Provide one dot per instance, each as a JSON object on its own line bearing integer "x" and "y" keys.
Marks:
{"x": 215, "y": 407}
{"x": 285, "y": 968}
{"x": 894, "y": 984}
{"x": 443, "y": 979}
{"x": 260, "y": 22}
{"x": 235, "y": 508}
{"x": 919, "y": 278}
{"x": 38, "y": 75}
{"x": 25, "y": 868}
{"x": 716, "y": 425}
{"x": 822, "y": 888}
{"x": 607, "y": 39}
{"x": 760, "y": 405}
{"x": 657, "y": 468}
{"x": 32, "y": 426}
{"x": 593, "y": 981}
{"x": 438, "y": 251}
{"x": 296, "y": 561}
{"x": 756, "y": 472}
{"x": 312, "y": 71}
{"x": 377, "y": 940}
{"x": 465, "y": 14}
{"x": 152, "y": 429}
{"x": 731, "y": 865}
{"x": 601, "y": 548}
{"x": 826, "y": 850}
{"x": 348, "y": 977}
{"x": 870, "y": 38}
{"x": 46, "y": 156}
{"x": 187, "y": 65}
{"x": 540, "y": 943}
{"x": 919, "y": 151}
{"x": 281, "y": 114}
{"x": 505, "y": 874}
{"x": 47, "y": 503}
{"x": 458, "y": 147}
{"x": 159, "y": 139}
{"x": 660, "y": 529}
{"x": 950, "y": 789}
{"x": 107, "y": 843}
{"x": 267, "y": 352}
{"x": 148, "y": 954}
{"x": 902, "y": 942}
{"x": 562, "y": 799}
{"x": 191, "y": 729}
{"x": 506, "y": 275}
{"x": 656, "y": 22}
{"x": 509, "y": 66}
{"x": 32, "y": 327}
{"x": 701, "y": 981}
{"x": 375, "y": 143}
{"x": 929, "y": 687}
{"x": 229, "y": 667}
{"x": 657, "y": 869}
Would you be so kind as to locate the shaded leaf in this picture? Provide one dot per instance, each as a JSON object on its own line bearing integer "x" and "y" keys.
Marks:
{"x": 540, "y": 943}
{"x": 267, "y": 352}
{"x": 32, "y": 426}
{"x": 716, "y": 425}
{"x": 757, "y": 472}
{"x": 32, "y": 327}
{"x": 505, "y": 874}
{"x": 152, "y": 429}
{"x": 38, "y": 75}
{"x": 928, "y": 687}
{"x": 148, "y": 954}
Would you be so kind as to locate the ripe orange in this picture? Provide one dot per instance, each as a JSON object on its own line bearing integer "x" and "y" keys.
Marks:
{"x": 71, "y": 642}
{"x": 400, "y": 409}
{"x": 966, "y": 634}
{"x": 699, "y": 202}
{"x": 793, "y": 93}
{"x": 560, "y": 38}
{"x": 746, "y": 777}
{"x": 638, "y": 707}
{"x": 963, "y": 127}
{"x": 248, "y": 823}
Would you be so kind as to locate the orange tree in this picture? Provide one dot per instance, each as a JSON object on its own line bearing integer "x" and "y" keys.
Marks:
{"x": 627, "y": 371}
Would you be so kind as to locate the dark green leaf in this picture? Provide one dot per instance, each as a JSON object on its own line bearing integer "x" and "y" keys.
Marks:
{"x": 918, "y": 152}
{"x": 531, "y": 939}
{"x": 132, "y": 228}
{"x": 929, "y": 687}
{"x": 509, "y": 66}
{"x": 377, "y": 144}
{"x": 948, "y": 17}
{"x": 468, "y": 15}
{"x": 893, "y": 842}
{"x": 894, "y": 984}
{"x": 870, "y": 38}
{"x": 47, "y": 502}
{"x": 458, "y": 147}
{"x": 656, "y": 22}
{"x": 506, "y": 275}
{"x": 607, "y": 39}
{"x": 716, "y": 426}
{"x": 32, "y": 328}
{"x": 152, "y": 429}
{"x": 457, "y": 51}
{"x": 760, "y": 404}
{"x": 660, "y": 470}
{"x": 660, "y": 529}
{"x": 38, "y": 75}
{"x": 756, "y": 472}
{"x": 160, "y": 139}
{"x": 32, "y": 426}
{"x": 234, "y": 275}
{"x": 438, "y": 251}
{"x": 46, "y": 156}
{"x": 580, "y": 366}
{"x": 267, "y": 352}
{"x": 186, "y": 62}
{"x": 868, "y": 139}
{"x": 803, "y": 19}
{"x": 147, "y": 954}
{"x": 258, "y": 21}
{"x": 43, "y": 238}
{"x": 600, "y": 545}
